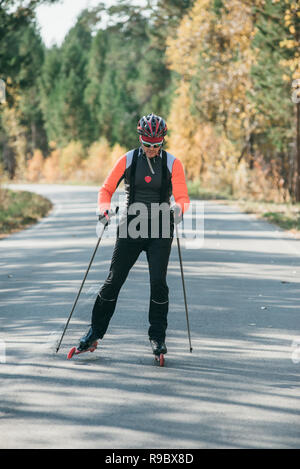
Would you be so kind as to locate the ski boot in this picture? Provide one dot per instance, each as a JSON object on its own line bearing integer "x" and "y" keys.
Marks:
{"x": 87, "y": 343}
{"x": 159, "y": 350}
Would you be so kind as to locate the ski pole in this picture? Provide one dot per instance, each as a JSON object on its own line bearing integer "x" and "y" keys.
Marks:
{"x": 104, "y": 219}
{"x": 183, "y": 286}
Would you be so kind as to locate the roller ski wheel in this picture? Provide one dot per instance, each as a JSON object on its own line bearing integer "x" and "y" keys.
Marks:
{"x": 75, "y": 351}
{"x": 160, "y": 359}
{"x": 159, "y": 350}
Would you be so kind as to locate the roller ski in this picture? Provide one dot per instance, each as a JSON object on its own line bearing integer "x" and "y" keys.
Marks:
{"x": 88, "y": 343}
{"x": 159, "y": 350}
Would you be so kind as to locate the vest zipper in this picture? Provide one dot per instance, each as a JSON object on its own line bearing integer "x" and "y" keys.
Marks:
{"x": 150, "y": 165}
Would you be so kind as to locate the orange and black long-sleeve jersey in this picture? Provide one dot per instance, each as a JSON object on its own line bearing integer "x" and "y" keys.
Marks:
{"x": 164, "y": 172}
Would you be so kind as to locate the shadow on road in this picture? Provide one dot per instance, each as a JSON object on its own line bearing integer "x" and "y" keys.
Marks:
{"x": 239, "y": 387}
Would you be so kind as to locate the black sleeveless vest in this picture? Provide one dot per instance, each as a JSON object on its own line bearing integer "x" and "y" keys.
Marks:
{"x": 165, "y": 184}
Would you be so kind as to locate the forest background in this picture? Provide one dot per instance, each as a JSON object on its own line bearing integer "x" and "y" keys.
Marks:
{"x": 223, "y": 73}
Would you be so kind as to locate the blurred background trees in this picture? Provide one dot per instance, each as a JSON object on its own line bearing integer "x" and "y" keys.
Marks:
{"x": 221, "y": 73}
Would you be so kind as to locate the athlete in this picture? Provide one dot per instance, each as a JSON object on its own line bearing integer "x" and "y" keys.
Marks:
{"x": 151, "y": 176}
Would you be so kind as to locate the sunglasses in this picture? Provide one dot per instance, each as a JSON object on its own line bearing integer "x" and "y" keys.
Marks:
{"x": 154, "y": 145}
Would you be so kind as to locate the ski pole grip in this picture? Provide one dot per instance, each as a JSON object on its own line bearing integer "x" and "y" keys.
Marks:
{"x": 106, "y": 216}
{"x": 177, "y": 213}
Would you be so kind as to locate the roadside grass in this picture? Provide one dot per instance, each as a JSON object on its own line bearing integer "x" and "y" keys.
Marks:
{"x": 283, "y": 215}
{"x": 286, "y": 216}
{"x": 20, "y": 209}
{"x": 197, "y": 192}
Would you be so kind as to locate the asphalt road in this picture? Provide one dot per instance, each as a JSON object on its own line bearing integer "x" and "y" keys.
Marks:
{"x": 238, "y": 389}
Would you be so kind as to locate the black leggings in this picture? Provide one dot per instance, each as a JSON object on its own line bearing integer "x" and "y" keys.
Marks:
{"x": 125, "y": 254}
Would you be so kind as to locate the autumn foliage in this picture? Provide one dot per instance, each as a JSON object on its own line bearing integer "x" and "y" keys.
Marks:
{"x": 223, "y": 73}
{"x": 73, "y": 163}
{"x": 232, "y": 119}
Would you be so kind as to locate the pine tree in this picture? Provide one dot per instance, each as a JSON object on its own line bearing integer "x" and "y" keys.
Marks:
{"x": 21, "y": 56}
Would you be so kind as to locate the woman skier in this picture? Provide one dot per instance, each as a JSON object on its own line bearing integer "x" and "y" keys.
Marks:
{"x": 151, "y": 175}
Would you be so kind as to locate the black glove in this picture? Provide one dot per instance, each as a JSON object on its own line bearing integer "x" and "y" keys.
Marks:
{"x": 177, "y": 213}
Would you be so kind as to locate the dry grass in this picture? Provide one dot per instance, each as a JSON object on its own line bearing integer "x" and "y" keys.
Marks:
{"x": 20, "y": 209}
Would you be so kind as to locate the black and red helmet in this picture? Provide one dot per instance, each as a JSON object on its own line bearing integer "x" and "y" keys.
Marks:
{"x": 152, "y": 127}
